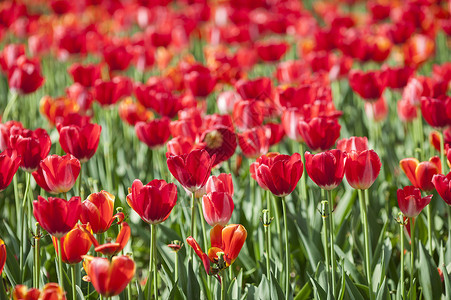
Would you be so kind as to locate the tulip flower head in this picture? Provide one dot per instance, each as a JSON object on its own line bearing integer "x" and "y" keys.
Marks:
{"x": 410, "y": 201}
{"x": 420, "y": 173}
{"x": 442, "y": 184}
{"x": 326, "y": 169}
{"x": 354, "y": 143}
{"x": 154, "y": 201}
{"x": 226, "y": 244}
{"x": 221, "y": 183}
{"x": 97, "y": 210}
{"x": 109, "y": 277}
{"x": 9, "y": 164}
{"x": 57, "y": 216}
{"x": 74, "y": 245}
{"x": 362, "y": 168}
{"x": 217, "y": 208}
{"x": 80, "y": 141}
{"x": 319, "y": 133}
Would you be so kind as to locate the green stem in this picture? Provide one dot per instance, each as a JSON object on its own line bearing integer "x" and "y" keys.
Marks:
{"x": 16, "y": 197}
{"x": 367, "y": 205}
{"x": 204, "y": 233}
{"x": 222, "y": 285}
{"x": 442, "y": 153}
{"x": 129, "y": 292}
{"x": 303, "y": 178}
{"x": 154, "y": 242}
{"x": 268, "y": 260}
{"x": 268, "y": 205}
{"x": 149, "y": 279}
{"x": 22, "y": 224}
{"x": 429, "y": 215}
{"x": 37, "y": 256}
{"x": 176, "y": 268}
{"x": 60, "y": 264}
{"x": 324, "y": 214}
{"x": 193, "y": 221}
{"x": 278, "y": 227}
{"x": 74, "y": 293}
{"x": 412, "y": 255}
{"x": 287, "y": 253}
{"x": 401, "y": 236}
{"x": 12, "y": 100}
{"x": 364, "y": 220}
{"x": 332, "y": 238}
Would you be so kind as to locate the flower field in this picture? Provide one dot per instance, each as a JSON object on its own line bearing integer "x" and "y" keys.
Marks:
{"x": 201, "y": 149}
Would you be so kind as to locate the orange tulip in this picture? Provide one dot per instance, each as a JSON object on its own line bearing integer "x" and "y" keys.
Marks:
{"x": 97, "y": 210}
{"x": 22, "y": 292}
{"x": 52, "y": 291}
{"x": 109, "y": 278}
{"x": 420, "y": 173}
{"x": 75, "y": 244}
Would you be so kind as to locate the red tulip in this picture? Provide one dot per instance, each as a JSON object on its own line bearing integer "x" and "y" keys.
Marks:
{"x": 362, "y": 169}
{"x": 226, "y": 101}
{"x": 319, "y": 133}
{"x": 417, "y": 50}
{"x": 397, "y": 78}
{"x": 133, "y": 112}
{"x": 271, "y": 51}
{"x": 369, "y": 85}
{"x": 154, "y": 201}
{"x": 191, "y": 170}
{"x": 75, "y": 244}
{"x": 406, "y": 111}
{"x": 52, "y": 291}
{"x": 279, "y": 173}
{"x": 55, "y": 109}
{"x": 109, "y": 277}
{"x": 258, "y": 88}
{"x": 25, "y": 76}
{"x": 248, "y": 114}
{"x": 199, "y": 81}
{"x": 410, "y": 201}
{"x": 179, "y": 145}
{"x": 9, "y": 164}
{"x": 434, "y": 111}
{"x": 5, "y": 133}
{"x": 21, "y": 292}
{"x": 32, "y": 145}
{"x": 443, "y": 186}
{"x": 57, "y": 174}
{"x": 290, "y": 123}
{"x": 86, "y": 75}
{"x": 219, "y": 142}
{"x": 118, "y": 57}
{"x": 110, "y": 92}
{"x": 97, "y": 210}
{"x": 326, "y": 169}
{"x": 80, "y": 141}
{"x": 229, "y": 240}
{"x": 377, "y": 110}
{"x": 420, "y": 174}
{"x": 354, "y": 143}
{"x": 184, "y": 128}
{"x": 254, "y": 142}
{"x": 57, "y": 216}
{"x": 221, "y": 183}
{"x": 9, "y": 55}
{"x": 2, "y": 255}
{"x": 154, "y": 133}
{"x": 277, "y": 133}
{"x": 217, "y": 208}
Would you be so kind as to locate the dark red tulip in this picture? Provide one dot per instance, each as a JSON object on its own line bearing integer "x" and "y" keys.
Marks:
{"x": 74, "y": 245}
{"x": 362, "y": 168}
{"x": 97, "y": 210}
{"x": 434, "y": 111}
{"x": 25, "y": 77}
{"x": 118, "y": 57}
{"x": 410, "y": 201}
{"x": 319, "y": 133}
{"x": 110, "y": 92}
{"x": 369, "y": 85}
{"x": 80, "y": 141}
{"x": 154, "y": 201}
{"x": 9, "y": 164}
{"x": 191, "y": 170}
{"x": 86, "y": 75}
{"x": 279, "y": 173}
{"x": 57, "y": 174}
{"x": 326, "y": 169}
{"x": 2, "y": 255}
{"x": 109, "y": 277}
{"x": 277, "y": 133}
{"x": 258, "y": 88}
{"x": 154, "y": 133}
{"x": 271, "y": 51}
{"x": 199, "y": 81}
{"x": 420, "y": 174}
{"x": 397, "y": 77}
{"x": 254, "y": 142}
{"x": 217, "y": 208}
{"x": 219, "y": 142}
{"x": 57, "y": 216}
{"x": 32, "y": 145}
{"x": 443, "y": 186}
{"x": 354, "y": 143}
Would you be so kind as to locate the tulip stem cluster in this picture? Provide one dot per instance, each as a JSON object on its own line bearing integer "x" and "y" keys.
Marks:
{"x": 364, "y": 220}
{"x": 332, "y": 237}
{"x": 412, "y": 256}
{"x": 287, "y": 253}
{"x": 429, "y": 216}
{"x": 324, "y": 214}
{"x": 401, "y": 236}
{"x": 37, "y": 256}
{"x": 22, "y": 223}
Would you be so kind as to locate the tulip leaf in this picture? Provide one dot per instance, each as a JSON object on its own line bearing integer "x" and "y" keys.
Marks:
{"x": 383, "y": 292}
{"x": 12, "y": 268}
{"x": 176, "y": 294}
{"x": 276, "y": 290}
{"x": 193, "y": 290}
{"x": 429, "y": 277}
{"x": 313, "y": 253}
{"x": 343, "y": 284}
{"x": 348, "y": 265}
{"x": 304, "y": 293}
{"x": 352, "y": 289}
{"x": 263, "y": 288}
{"x": 318, "y": 290}
{"x": 235, "y": 286}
